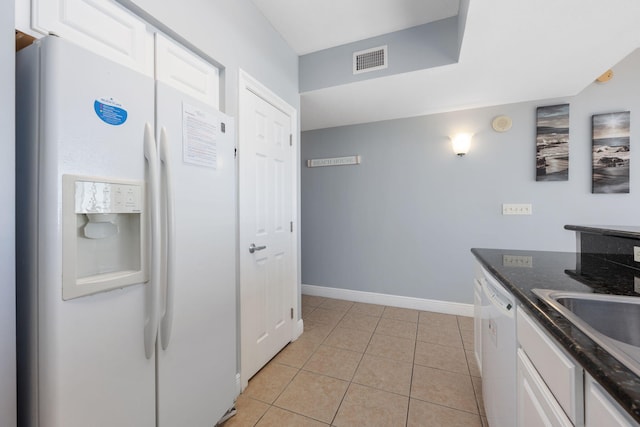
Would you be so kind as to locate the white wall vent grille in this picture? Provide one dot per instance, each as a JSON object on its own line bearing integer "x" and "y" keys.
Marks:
{"x": 370, "y": 60}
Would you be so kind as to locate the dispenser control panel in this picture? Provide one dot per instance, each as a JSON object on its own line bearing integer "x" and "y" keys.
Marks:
{"x": 104, "y": 240}
{"x": 107, "y": 197}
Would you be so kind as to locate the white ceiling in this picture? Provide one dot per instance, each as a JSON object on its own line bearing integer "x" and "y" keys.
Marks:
{"x": 312, "y": 25}
{"x": 512, "y": 51}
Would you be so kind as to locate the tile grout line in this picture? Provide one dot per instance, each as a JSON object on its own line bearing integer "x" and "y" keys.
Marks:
{"x": 413, "y": 366}
{"x": 475, "y": 394}
{"x": 354, "y": 373}
{"x": 272, "y": 404}
{"x": 316, "y": 349}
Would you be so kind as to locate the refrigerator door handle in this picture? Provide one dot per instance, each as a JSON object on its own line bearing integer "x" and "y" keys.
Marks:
{"x": 153, "y": 293}
{"x": 165, "y": 167}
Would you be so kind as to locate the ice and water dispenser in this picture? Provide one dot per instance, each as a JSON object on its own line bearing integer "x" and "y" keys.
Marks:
{"x": 104, "y": 230}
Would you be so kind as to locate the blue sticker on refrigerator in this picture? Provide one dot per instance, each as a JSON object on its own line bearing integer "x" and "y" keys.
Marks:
{"x": 110, "y": 111}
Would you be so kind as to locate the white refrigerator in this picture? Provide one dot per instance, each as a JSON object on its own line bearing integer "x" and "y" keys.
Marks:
{"x": 125, "y": 247}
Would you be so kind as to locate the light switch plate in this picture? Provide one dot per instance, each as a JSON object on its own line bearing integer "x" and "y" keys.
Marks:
{"x": 636, "y": 253}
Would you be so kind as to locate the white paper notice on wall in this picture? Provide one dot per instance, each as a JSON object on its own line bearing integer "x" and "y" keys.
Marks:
{"x": 334, "y": 161}
{"x": 199, "y": 137}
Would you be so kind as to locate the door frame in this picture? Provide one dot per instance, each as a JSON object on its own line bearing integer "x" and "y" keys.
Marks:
{"x": 248, "y": 85}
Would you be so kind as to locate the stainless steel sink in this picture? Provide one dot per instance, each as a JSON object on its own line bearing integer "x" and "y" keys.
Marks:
{"x": 612, "y": 321}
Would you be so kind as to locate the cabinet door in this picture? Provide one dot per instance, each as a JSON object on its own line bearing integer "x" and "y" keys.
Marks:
{"x": 187, "y": 72}
{"x": 103, "y": 27}
{"x": 536, "y": 405}
{"x": 601, "y": 410}
{"x": 561, "y": 374}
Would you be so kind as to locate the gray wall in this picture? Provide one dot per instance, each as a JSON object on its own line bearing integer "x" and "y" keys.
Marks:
{"x": 403, "y": 221}
{"x": 7, "y": 218}
{"x": 425, "y": 46}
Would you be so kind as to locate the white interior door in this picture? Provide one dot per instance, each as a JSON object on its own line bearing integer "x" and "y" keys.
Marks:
{"x": 267, "y": 245}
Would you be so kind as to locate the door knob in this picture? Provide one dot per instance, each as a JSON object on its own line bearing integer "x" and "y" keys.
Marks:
{"x": 253, "y": 248}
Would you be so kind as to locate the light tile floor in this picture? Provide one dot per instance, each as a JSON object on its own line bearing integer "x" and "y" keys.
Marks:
{"x": 368, "y": 365}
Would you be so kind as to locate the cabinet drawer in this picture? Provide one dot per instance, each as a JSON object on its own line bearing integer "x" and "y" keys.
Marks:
{"x": 558, "y": 370}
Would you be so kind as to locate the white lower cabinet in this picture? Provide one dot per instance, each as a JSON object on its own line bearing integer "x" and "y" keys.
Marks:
{"x": 552, "y": 388}
{"x": 537, "y": 406}
{"x": 601, "y": 409}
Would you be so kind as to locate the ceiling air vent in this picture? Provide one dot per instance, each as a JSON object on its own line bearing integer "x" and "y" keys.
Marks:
{"x": 370, "y": 60}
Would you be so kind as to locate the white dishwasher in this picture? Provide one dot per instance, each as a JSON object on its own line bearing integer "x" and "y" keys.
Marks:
{"x": 498, "y": 352}
{"x": 477, "y": 317}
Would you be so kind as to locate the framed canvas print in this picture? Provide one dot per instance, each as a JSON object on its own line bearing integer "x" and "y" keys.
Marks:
{"x": 552, "y": 143}
{"x": 611, "y": 152}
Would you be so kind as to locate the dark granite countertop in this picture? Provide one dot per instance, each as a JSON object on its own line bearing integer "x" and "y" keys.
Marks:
{"x": 628, "y": 231}
{"x": 570, "y": 272}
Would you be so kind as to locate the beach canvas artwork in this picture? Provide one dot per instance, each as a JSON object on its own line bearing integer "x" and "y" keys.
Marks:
{"x": 611, "y": 152}
{"x": 552, "y": 143}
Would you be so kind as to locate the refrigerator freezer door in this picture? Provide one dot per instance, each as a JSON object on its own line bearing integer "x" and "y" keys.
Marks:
{"x": 83, "y": 360}
{"x": 200, "y": 357}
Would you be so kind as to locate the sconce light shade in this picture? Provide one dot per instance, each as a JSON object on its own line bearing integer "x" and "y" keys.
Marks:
{"x": 461, "y": 143}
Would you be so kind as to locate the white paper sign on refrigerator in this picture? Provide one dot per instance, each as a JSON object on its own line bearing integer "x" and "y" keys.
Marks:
{"x": 199, "y": 137}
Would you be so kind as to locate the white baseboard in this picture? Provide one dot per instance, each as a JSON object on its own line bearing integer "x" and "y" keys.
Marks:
{"x": 238, "y": 384}
{"x": 446, "y": 307}
{"x": 299, "y": 328}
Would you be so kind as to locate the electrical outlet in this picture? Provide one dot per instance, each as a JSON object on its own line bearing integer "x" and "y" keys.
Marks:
{"x": 517, "y": 209}
{"x": 636, "y": 253}
{"x": 517, "y": 261}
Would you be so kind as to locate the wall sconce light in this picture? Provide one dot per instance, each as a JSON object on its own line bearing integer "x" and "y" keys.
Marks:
{"x": 460, "y": 143}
